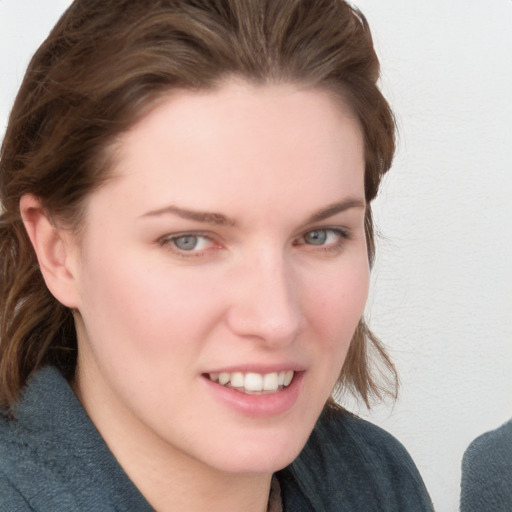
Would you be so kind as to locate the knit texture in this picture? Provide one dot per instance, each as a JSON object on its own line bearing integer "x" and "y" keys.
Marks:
{"x": 487, "y": 472}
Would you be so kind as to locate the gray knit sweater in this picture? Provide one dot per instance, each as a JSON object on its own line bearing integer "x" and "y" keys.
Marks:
{"x": 52, "y": 459}
{"x": 487, "y": 472}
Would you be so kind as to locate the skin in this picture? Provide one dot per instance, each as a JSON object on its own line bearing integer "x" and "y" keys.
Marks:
{"x": 258, "y": 291}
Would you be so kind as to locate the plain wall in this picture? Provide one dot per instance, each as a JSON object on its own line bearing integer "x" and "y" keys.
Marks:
{"x": 442, "y": 296}
{"x": 442, "y": 283}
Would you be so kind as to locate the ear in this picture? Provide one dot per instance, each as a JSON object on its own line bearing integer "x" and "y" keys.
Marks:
{"x": 54, "y": 248}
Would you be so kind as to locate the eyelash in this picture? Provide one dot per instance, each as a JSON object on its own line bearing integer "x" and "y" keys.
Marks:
{"x": 342, "y": 235}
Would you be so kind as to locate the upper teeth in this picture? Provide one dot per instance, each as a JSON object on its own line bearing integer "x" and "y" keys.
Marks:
{"x": 253, "y": 381}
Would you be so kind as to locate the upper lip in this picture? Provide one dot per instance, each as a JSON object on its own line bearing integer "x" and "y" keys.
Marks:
{"x": 259, "y": 368}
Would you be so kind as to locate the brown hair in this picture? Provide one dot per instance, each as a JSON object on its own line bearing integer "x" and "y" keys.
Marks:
{"x": 102, "y": 67}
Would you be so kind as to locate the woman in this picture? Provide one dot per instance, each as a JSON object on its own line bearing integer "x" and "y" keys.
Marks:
{"x": 186, "y": 242}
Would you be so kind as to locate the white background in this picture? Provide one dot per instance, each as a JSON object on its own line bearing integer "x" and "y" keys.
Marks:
{"x": 442, "y": 291}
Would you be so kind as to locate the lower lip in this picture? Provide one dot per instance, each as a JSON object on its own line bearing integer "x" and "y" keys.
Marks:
{"x": 258, "y": 405}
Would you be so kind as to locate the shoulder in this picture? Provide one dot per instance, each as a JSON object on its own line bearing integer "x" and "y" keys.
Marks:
{"x": 30, "y": 478}
{"x": 52, "y": 458}
{"x": 10, "y": 497}
{"x": 363, "y": 447}
{"x": 36, "y": 461}
{"x": 364, "y": 440}
{"x": 487, "y": 472}
{"x": 494, "y": 447}
{"x": 349, "y": 460}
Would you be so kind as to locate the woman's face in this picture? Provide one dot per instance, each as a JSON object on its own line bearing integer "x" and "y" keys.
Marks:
{"x": 225, "y": 258}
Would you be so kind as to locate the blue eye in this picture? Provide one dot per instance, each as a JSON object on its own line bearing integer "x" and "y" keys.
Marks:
{"x": 190, "y": 244}
{"x": 318, "y": 237}
{"x": 325, "y": 237}
{"x": 186, "y": 242}
{"x": 324, "y": 240}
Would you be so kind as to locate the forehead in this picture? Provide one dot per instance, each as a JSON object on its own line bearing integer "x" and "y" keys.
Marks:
{"x": 273, "y": 140}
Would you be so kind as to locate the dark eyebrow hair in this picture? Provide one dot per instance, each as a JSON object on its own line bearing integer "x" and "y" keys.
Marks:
{"x": 335, "y": 208}
{"x": 219, "y": 219}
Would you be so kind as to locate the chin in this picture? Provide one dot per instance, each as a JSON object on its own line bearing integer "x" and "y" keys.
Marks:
{"x": 260, "y": 456}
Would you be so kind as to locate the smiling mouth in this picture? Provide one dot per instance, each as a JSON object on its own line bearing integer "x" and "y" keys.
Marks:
{"x": 252, "y": 383}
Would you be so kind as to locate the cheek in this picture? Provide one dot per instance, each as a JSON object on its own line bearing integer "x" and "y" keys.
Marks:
{"x": 337, "y": 302}
{"x": 146, "y": 305}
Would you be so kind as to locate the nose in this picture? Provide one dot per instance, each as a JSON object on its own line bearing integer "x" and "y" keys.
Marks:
{"x": 265, "y": 302}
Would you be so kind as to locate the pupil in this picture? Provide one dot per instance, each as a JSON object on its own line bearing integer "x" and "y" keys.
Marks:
{"x": 316, "y": 237}
{"x": 186, "y": 243}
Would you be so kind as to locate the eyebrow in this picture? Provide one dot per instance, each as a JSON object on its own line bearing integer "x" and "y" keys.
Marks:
{"x": 335, "y": 208}
{"x": 218, "y": 219}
